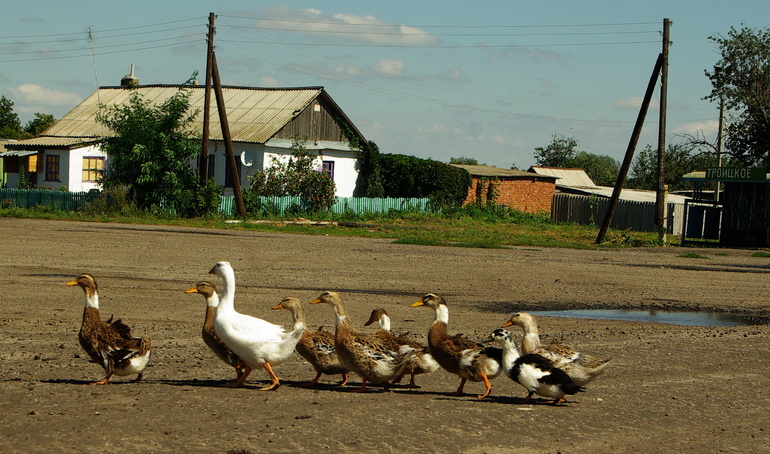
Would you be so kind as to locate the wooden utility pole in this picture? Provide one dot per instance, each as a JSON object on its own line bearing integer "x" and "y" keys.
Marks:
{"x": 720, "y": 141}
{"x": 236, "y": 180}
{"x": 629, "y": 152}
{"x": 203, "y": 165}
{"x": 661, "y": 215}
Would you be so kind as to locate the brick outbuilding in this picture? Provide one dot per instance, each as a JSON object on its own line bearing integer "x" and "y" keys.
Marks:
{"x": 524, "y": 191}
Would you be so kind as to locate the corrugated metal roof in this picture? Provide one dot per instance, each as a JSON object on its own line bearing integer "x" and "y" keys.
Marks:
{"x": 48, "y": 142}
{"x": 490, "y": 171}
{"x": 567, "y": 177}
{"x": 17, "y": 153}
{"x": 254, "y": 114}
{"x": 636, "y": 195}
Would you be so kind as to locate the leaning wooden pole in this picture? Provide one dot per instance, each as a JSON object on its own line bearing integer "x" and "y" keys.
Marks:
{"x": 236, "y": 180}
{"x": 630, "y": 151}
{"x": 203, "y": 165}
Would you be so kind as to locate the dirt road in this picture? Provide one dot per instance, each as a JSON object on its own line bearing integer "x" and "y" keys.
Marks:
{"x": 670, "y": 388}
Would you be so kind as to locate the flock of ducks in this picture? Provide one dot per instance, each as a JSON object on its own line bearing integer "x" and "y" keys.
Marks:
{"x": 246, "y": 343}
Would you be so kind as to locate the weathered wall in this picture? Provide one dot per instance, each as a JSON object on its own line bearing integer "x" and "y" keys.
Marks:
{"x": 530, "y": 195}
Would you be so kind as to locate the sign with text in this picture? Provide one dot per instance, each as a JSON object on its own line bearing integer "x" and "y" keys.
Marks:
{"x": 736, "y": 174}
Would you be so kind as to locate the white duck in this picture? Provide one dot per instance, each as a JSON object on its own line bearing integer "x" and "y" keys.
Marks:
{"x": 581, "y": 367}
{"x": 422, "y": 363}
{"x": 534, "y": 372}
{"x": 257, "y": 342}
{"x": 109, "y": 343}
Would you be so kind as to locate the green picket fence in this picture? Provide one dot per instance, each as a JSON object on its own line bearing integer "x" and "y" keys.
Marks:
{"x": 279, "y": 206}
{"x": 29, "y": 198}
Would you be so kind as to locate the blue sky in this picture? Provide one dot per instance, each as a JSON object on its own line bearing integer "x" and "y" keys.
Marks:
{"x": 490, "y": 80}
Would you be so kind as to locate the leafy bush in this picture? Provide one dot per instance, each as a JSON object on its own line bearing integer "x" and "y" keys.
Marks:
{"x": 408, "y": 176}
{"x": 151, "y": 150}
{"x": 297, "y": 177}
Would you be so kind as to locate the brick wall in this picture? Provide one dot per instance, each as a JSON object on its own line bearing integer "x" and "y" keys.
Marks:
{"x": 529, "y": 195}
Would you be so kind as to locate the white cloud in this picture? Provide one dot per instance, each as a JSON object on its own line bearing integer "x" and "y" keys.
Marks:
{"x": 352, "y": 27}
{"x": 635, "y": 102}
{"x": 457, "y": 75}
{"x": 435, "y": 129}
{"x": 31, "y": 98}
{"x": 393, "y": 67}
{"x": 708, "y": 128}
{"x": 268, "y": 81}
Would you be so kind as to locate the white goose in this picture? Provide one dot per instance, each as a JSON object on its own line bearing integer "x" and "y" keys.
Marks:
{"x": 257, "y": 342}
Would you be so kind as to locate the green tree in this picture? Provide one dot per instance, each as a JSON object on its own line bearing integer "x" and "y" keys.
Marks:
{"x": 298, "y": 177}
{"x": 679, "y": 159}
{"x": 369, "y": 181}
{"x": 563, "y": 152}
{"x": 741, "y": 78}
{"x": 462, "y": 160}
{"x": 41, "y": 122}
{"x": 602, "y": 169}
{"x": 559, "y": 153}
{"x": 150, "y": 153}
{"x": 10, "y": 127}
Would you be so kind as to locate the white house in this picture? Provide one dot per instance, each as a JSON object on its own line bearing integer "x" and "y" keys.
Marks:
{"x": 263, "y": 123}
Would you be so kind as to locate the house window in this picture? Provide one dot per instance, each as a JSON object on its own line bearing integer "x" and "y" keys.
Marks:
{"x": 52, "y": 163}
{"x": 93, "y": 169}
{"x": 328, "y": 168}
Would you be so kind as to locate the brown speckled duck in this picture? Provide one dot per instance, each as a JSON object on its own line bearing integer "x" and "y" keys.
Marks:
{"x": 423, "y": 362}
{"x": 317, "y": 347}
{"x": 467, "y": 359}
{"x": 109, "y": 343}
{"x": 581, "y": 367}
{"x": 366, "y": 355}
{"x": 208, "y": 333}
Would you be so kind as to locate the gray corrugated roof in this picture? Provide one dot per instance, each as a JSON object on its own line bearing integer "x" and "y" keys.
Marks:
{"x": 48, "y": 142}
{"x": 567, "y": 176}
{"x": 490, "y": 171}
{"x": 254, "y": 114}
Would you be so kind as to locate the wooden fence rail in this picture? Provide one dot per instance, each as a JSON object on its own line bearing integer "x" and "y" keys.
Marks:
{"x": 634, "y": 215}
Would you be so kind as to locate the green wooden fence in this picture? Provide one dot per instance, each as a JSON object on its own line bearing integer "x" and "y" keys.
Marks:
{"x": 29, "y": 198}
{"x": 280, "y": 206}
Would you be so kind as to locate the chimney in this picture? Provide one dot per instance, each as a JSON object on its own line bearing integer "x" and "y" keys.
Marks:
{"x": 129, "y": 80}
